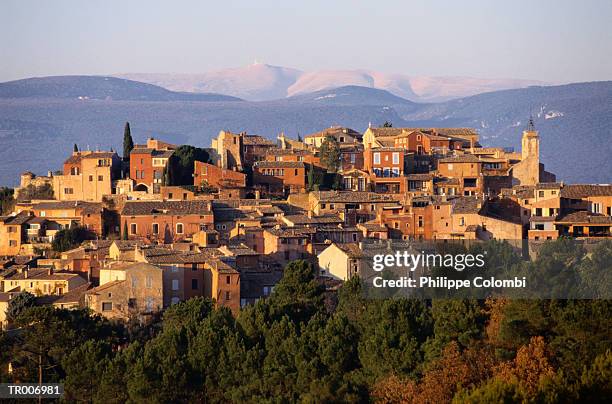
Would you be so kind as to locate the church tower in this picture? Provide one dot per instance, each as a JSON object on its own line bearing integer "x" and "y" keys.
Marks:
{"x": 530, "y": 146}
{"x": 527, "y": 171}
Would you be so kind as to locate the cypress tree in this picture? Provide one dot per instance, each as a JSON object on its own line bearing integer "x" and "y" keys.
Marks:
{"x": 124, "y": 236}
{"x": 128, "y": 142}
{"x": 75, "y": 148}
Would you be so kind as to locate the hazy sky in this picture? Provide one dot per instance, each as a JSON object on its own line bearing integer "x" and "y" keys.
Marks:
{"x": 560, "y": 40}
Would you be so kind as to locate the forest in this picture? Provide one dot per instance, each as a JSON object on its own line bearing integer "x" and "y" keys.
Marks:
{"x": 306, "y": 344}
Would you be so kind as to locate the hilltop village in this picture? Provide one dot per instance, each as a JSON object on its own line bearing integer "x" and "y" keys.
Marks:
{"x": 127, "y": 236}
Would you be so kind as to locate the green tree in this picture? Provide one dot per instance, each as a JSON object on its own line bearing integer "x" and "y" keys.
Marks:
{"x": 457, "y": 320}
{"x": 66, "y": 239}
{"x": 387, "y": 124}
{"x": 314, "y": 178}
{"x": 7, "y": 201}
{"x": 494, "y": 391}
{"x": 83, "y": 367}
{"x": 124, "y": 234}
{"x": 188, "y": 314}
{"x": 18, "y": 304}
{"x": 392, "y": 335}
{"x": 329, "y": 153}
{"x": 298, "y": 294}
{"x": 32, "y": 191}
{"x": 128, "y": 142}
{"x": 75, "y": 148}
{"x": 48, "y": 335}
{"x": 181, "y": 164}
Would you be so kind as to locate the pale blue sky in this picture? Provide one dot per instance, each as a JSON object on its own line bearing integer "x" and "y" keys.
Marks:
{"x": 560, "y": 41}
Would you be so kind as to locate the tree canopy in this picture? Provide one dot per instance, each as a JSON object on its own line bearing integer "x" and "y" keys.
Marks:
{"x": 128, "y": 142}
{"x": 181, "y": 164}
{"x": 307, "y": 344}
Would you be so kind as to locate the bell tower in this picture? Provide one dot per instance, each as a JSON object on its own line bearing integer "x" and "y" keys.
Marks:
{"x": 530, "y": 145}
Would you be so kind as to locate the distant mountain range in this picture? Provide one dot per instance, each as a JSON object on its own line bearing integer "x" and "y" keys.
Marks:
{"x": 262, "y": 82}
{"x": 98, "y": 88}
{"x": 41, "y": 118}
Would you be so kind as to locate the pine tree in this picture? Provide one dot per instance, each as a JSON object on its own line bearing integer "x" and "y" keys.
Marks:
{"x": 75, "y": 148}
{"x": 124, "y": 235}
{"x": 128, "y": 142}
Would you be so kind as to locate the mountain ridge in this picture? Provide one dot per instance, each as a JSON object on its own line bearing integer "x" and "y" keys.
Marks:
{"x": 263, "y": 82}
{"x": 85, "y": 87}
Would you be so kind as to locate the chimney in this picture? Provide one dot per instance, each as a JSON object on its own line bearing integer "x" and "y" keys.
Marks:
{"x": 50, "y": 271}
{"x": 25, "y": 272}
{"x": 257, "y": 195}
{"x": 310, "y": 214}
{"x": 49, "y": 173}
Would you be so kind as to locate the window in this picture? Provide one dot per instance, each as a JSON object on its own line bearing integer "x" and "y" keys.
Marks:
{"x": 107, "y": 306}
{"x": 296, "y": 172}
{"x": 396, "y": 158}
{"x": 179, "y": 228}
{"x": 541, "y": 194}
{"x": 323, "y": 206}
{"x": 227, "y": 295}
{"x": 194, "y": 267}
{"x": 175, "y": 284}
{"x": 469, "y": 182}
{"x": 174, "y": 300}
{"x": 133, "y": 228}
{"x": 450, "y": 167}
{"x": 395, "y": 171}
{"x": 13, "y": 243}
{"x": 228, "y": 279}
{"x": 596, "y": 207}
{"x": 461, "y": 221}
{"x": 100, "y": 178}
{"x": 43, "y": 213}
{"x": 68, "y": 191}
{"x": 420, "y": 221}
{"x": 354, "y": 237}
{"x": 169, "y": 195}
{"x": 155, "y": 228}
{"x": 332, "y": 206}
{"x": 90, "y": 178}
{"x": 194, "y": 284}
{"x": 376, "y": 158}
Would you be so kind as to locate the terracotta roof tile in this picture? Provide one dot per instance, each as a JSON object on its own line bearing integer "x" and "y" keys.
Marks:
{"x": 143, "y": 208}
